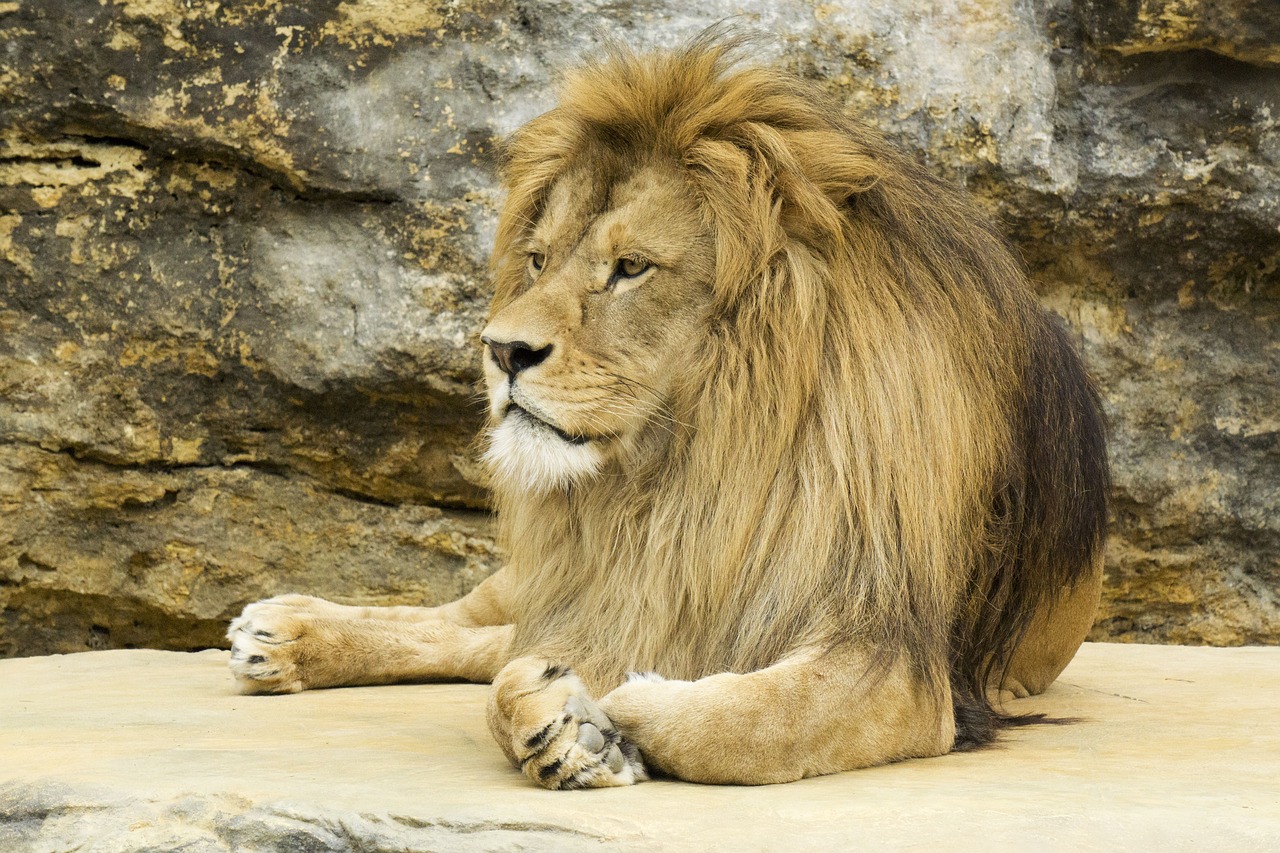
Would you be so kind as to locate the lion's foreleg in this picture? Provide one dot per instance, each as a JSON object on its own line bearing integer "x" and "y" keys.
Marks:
{"x": 280, "y": 651}
{"x": 547, "y": 723}
{"x": 294, "y": 642}
{"x": 807, "y": 716}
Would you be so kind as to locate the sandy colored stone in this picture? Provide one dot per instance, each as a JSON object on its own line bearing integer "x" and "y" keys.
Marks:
{"x": 1176, "y": 749}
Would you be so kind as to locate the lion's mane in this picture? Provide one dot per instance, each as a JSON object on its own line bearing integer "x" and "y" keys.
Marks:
{"x": 882, "y": 438}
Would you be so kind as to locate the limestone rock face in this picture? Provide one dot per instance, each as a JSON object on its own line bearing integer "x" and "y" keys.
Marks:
{"x": 242, "y": 273}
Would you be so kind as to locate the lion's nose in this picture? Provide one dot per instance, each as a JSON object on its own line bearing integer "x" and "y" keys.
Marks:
{"x": 515, "y": 356}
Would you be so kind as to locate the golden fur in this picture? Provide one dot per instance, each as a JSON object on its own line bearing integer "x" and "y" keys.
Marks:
{"x": 822, "y": 463}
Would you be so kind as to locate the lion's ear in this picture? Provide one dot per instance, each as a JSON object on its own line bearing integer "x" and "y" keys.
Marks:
{"x": 834, "y": 163}
{"x": 825, "y": 172}
{"x": 813, "y": 174}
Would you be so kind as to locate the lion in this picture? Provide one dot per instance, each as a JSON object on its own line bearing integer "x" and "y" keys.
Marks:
{"x": 794, "y": 475}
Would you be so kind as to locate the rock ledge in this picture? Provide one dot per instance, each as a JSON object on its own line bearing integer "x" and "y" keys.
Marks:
{"x": 145, "y": 750}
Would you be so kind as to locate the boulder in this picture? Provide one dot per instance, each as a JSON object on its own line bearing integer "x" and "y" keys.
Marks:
{"x": 242, "y": 272}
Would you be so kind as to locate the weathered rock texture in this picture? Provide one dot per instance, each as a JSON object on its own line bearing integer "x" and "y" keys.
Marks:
{"x": 1176, "y": 749}
{"x": 242, "y": 252}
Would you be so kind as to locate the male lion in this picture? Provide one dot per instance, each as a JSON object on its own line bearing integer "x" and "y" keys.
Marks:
{"x": 773, "y": 417}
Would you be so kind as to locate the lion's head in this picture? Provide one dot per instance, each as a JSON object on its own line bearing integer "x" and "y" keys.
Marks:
{"x": 611, "y": 289}
{"x": 638, "y": 219}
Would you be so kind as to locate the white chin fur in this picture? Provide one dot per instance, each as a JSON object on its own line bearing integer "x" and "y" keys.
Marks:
{"x": 531, "y": 457}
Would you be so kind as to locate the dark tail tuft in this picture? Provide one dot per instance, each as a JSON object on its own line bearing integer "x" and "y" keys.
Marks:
{"x": 977, "y": 728}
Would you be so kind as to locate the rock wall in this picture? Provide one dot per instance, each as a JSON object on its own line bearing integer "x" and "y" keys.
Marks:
{"x": 242, "y": 251}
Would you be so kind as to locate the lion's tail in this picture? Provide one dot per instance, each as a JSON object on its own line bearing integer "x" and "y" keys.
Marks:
{"x": 1046, "y": 528}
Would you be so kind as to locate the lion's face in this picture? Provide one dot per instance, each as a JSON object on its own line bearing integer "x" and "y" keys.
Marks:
{"x": 579, "y": 360}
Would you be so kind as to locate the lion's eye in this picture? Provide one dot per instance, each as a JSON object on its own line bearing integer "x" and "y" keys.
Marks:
{"x": 536, "y": 261}
{"x": 631, "y": 267}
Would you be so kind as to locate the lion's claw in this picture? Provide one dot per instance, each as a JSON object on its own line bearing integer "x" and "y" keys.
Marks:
{"x": 556, "y": 734}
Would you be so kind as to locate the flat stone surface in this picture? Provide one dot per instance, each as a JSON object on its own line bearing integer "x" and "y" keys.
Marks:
{"x": 1177, "y": 748}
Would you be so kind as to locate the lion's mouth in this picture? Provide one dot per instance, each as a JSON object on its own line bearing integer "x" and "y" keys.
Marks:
{"x": 570, "y": 438}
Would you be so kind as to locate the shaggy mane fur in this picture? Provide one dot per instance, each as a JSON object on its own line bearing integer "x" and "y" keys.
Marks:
{"x": 880, "y": 440}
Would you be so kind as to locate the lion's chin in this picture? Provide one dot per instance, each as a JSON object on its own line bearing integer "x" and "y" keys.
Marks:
{"x": 527, "y": 455}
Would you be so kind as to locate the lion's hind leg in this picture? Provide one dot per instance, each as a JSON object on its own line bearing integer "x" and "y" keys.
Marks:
{"x": 547, "y": 723}
{"x": 815, "y": 713}
{"x": 1052, "y": 640}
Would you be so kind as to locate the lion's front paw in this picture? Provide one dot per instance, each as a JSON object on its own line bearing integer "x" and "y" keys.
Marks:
{"x": 268, "y": 641}
{"x": 553, "y": 730}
